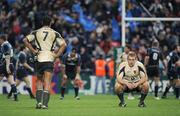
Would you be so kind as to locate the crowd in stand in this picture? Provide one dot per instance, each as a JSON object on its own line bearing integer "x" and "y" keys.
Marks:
{"x": 19, "y": 17}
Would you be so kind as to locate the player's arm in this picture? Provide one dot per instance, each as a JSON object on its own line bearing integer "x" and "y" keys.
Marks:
{"x": 63, "y": 66}
{"x": 7, "y": 52}
{"x": 78, "y": 69}
{"x": 120, "y": 74}
{"x": 142, "y": 74}
{"x": 27, "y": 43}
{"x": 146, "y": 60}
{"x": 26, "y": 65}
{"x": 61, "y": 42}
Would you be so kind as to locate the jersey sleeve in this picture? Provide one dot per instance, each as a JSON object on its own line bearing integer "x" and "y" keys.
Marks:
{"x": 6, "y": 49}
{"x": 31, "y": 37}
{"x": 22, "y": 58}
{"x": 59, "y": 39}
{"x": 141, "y": 68}
{"x": 121, "y": 68}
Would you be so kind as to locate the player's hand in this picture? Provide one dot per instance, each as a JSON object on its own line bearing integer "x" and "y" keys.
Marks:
{"x": 64, "y": 76}
{"x": 135, "y": 85}
{"x": 130, "y": 85}
{"x": 32, "y": 69}
{"x": 36, "y": 52}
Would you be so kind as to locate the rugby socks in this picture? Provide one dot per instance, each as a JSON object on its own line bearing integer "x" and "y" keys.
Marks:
{"x": 76, "y": 90}
{"x": 46, "y": 97}
{"x": 14, "y": 91}
{"x": 39, "y": 94}
{"x": 176, "y": 89}
{"x": 156, "y": 90}
{"x": 62, "y": 91}
{"x": 30, "y": 92}
{"x": 166, "y": 91}
{"x": 143, "y": 96}
{"x": 10, "y": 93}
{"x": 121, "y": 97}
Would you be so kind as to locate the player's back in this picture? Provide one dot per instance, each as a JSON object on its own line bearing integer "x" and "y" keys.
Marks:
{"x": 154, "y": 56}
{"x": 45, "y": 40}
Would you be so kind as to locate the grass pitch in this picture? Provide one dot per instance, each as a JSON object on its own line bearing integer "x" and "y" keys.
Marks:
{"x": 99, "y": 105}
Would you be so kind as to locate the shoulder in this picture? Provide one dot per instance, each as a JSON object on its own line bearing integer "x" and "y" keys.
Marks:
{"x": 140, "y": 64}
{"x": 6, "y": 45}
{"x": 123, "y": 64}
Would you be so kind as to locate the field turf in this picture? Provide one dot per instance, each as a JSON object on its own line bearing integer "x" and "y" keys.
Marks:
{"x": 99, "y": 105}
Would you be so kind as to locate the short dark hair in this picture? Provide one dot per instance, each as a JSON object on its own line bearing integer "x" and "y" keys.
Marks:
{"x": 3, "y": 37}
{"x": 132, "y": 54}
{"x": 175, "y": 47}
{"x": 74, "y": 49}
{"x": 46, "y": 20}
{"x": 155, "y": 43}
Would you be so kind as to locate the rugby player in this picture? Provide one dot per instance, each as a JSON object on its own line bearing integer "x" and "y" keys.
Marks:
{"x": 152, "y": 64}
{"x": 71, "y": 70}
{"x": 172, "y": 71}
{"x": 22, "y": 70}
{"x": 45, "y": 41}
{"x": 6, "y": 65}
{"x": 131, "y": 76}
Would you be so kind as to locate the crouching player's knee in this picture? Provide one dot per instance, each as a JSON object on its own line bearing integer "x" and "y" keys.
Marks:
{"x": 145, "y": 87}
{"x": 118, "y": 88}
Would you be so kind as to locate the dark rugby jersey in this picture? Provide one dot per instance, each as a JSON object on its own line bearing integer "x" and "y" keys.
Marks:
{"x": 172, "y": 59}
{"x": 154, "y": 56}
{"x": 71, "y": 63}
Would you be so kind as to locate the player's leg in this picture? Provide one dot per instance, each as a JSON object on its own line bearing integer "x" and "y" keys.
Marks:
{"x": 144, "y": 88}
{"x": 13, "y": 90}
{"x": 76, "y": 89}
{"x": 47, "y": 86}
{"x": 28, "y": 88}
{"x": 17, "y": 84}
{"x": 119, "y": 90}
{"x": 156, "y": 87}
{"x": 63, "y": 86}
{"x": 39, "y": 90}
{"x": 177, "y": 88}
{"x": 168, "y": 86}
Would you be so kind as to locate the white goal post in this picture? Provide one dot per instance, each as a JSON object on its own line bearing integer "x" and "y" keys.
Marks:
{"x": 124, "y": 19}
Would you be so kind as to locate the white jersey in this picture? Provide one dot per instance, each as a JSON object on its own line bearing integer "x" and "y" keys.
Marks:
{"x": 45, "y": 40}
{"x": 131, "y": 74}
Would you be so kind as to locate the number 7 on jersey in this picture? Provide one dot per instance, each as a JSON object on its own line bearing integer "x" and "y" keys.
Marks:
{"x": 46, "y": 34}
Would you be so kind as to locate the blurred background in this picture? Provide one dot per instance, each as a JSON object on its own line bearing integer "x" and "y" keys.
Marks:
{"x": 94, "y": 28}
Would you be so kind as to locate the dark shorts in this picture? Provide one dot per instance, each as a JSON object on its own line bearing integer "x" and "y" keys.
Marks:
{"x": 152, "y": 72}
{"x": 21, "y": 73}
{"x": 172, "y": 75}
{"x": 40, "y": 67}
{"x": 71, "y": 75}
{"x": 127, "y": 90}
{"x": 3, "y": 70}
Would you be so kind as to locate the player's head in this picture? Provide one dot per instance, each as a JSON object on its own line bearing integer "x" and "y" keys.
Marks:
{"x": 155, "y": 44}
{"x": 46, "y": 21}
{"x": 73, "y": 52}
{"x": 2, "y": 38}
{"x": 131, "y": 58}
{"x": 176, "y": 48}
